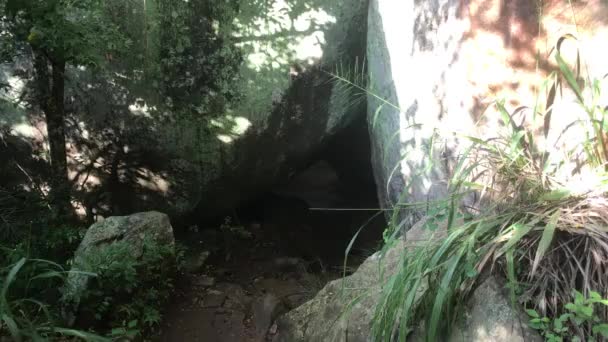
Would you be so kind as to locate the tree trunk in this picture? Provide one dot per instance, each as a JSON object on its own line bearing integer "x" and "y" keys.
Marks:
{"x": 51, "y": 89}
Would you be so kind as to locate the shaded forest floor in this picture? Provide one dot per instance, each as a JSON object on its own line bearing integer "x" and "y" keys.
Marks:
{"x": 237, "y": 282}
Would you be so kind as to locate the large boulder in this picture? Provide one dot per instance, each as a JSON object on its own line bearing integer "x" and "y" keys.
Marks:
{"x": 291, "y": 106}
{"x": 343, "y": 310}
{"x": 135, "y": 230}
{"x": 440, "y": 64}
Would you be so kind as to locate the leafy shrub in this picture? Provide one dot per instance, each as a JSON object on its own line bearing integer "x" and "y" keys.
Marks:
{"x": 568, "y": 326}
{"x": 127, "y": 294}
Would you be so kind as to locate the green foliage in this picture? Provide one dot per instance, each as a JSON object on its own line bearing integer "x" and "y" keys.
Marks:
{"x": 567, "y": 326}
{"x": 128, "y": 292}
{"x": 76, "y": 32}
{"x": 25, "y": 315}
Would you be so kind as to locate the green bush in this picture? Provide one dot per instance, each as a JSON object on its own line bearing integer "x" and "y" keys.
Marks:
{"x": 128, "y": 292}
{"x": 583, "y": 312}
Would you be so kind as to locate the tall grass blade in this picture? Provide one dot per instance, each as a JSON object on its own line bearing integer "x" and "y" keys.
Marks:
{"x": 518, "y": 231}
{"x": 12, "y": 327}
{"x": 545, "y": 241}
{"x": 570, "y": 78}
{"x": 443, "y": 295}
{"x": 10, "y": 277}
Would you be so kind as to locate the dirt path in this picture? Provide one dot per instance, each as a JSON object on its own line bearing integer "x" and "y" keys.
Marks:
{"x": 239, "y": 281}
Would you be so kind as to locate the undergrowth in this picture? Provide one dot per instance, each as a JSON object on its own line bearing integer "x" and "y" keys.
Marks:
{"x": 28, "y": 288}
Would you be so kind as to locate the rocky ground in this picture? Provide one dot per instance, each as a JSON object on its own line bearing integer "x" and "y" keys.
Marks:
{"x": 237, "y": 282}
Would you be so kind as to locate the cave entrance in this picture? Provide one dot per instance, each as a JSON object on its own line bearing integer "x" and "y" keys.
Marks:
{"x": 317, "y": 213}
{"x": 277, "y": 251}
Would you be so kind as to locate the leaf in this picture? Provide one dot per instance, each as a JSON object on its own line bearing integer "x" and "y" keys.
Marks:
{"x": 442, "y": 295}
{"x": 565, "y": 69}
{"x": 601, "y": 329}
{"x": 545, "y": 240}
{"x": 513, "y": 284}
{"x": 558, "y": 325}
{"x": 556, "y": 195}
{"x": 13, "y": 328}
{"x": 549, "y": 109}
{"x": 532, "y": 313}
{"x": 11, "y": 277}
{"x": 587, "y": 310}
{"x": 376, "y": 113}
{"x": 48, "y": 274}
{"x": 89, "y": 337}
{"x": 594, "y": 296}
{"x": 519, "y": 231}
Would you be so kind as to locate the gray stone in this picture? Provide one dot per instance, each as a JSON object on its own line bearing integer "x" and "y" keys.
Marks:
{"x": 213, "y": 299}
{"x": 440, "y": 65}
{"x": 404, "y": 73}
{"x": 236, "y": 297}
{"x": 323, "y": 319}
{"x": 133, "y": 230}
{"x": 490, "y": 318}
{"x": 195, "y": 263}
{"x": 205, "y": 281}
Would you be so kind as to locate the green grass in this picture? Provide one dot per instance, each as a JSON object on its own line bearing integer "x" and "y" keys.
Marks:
{"x": 23, "y": 314}
{"x": 532, "y": 223}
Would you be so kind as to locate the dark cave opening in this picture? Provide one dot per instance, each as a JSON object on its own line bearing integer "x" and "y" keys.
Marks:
{"x": 285, "y": 244}
{"x": 317, "y": 213}
{"x": 312, "y": 217}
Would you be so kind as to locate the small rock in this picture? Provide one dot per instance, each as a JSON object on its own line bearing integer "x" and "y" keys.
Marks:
{"x": 287, "y": 264}
{"x": 213, "y": 298}
{"x": 205, "y": 281}
{"x": 273, "y": 329}
{"x": 237, "y": 297}
{"x": 195, "y": 264}
{"x": 264, "y": 311}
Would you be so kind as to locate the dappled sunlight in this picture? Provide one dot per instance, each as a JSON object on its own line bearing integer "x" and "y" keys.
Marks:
{"x": 275, "y": 36}
{"x": 153, "y": 181}
{"x": 140, "y": 108}
{"x": 446, "y": 75}
{"x": 508, "y": 51}
{"x": 14, "y": 115}
{"x": 230, "y": 127}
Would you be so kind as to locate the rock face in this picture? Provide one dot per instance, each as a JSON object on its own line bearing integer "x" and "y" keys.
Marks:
{"x": 489, "y": 318}
{"x": 133, "y": 230}
{"x": 291, "y": 106}
{"x": 343, "y": 310}
{"x": 440, "y": 64}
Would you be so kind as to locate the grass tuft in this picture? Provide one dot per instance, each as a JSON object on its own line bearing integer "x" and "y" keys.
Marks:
{"x": 539, "y": 218}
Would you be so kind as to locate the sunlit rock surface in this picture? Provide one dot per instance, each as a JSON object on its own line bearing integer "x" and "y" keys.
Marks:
{"x": 440, "y": 65}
